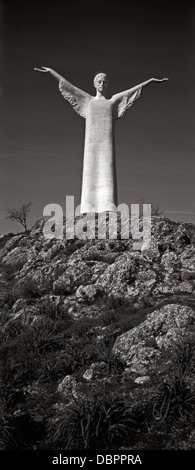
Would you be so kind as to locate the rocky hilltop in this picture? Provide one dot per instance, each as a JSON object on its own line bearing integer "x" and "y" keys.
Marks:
{"x": 97, "y": 341}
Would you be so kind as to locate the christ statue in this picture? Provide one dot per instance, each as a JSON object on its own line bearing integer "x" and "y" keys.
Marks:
{"x": 99, "y": 183}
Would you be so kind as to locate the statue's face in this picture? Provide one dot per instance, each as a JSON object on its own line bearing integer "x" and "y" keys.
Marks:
{"x": 101, "y": 82}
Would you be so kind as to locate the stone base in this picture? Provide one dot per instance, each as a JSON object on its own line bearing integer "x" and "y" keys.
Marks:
{"x": 100, "y": 207}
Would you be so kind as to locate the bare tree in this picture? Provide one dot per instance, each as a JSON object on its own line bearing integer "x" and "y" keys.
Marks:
{"x": 155, "y": 208}
{"x": 20, "y": 215}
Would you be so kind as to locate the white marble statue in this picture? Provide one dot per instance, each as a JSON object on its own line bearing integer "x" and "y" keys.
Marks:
{"x": 99, "y": 183}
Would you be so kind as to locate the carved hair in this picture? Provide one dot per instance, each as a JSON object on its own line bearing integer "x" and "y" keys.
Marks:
{"x": 99, "y": 74}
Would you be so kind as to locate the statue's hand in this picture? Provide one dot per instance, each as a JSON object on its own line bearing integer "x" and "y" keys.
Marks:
{"x": 160, "y": 80}
{"x": 43, "y": 69}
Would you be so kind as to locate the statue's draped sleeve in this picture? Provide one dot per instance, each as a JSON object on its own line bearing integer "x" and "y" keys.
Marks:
{"x": 78, "y": 99}
{"x": 124, "y": 100}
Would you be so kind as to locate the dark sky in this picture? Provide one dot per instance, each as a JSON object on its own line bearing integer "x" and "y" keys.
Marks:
{"x": 41, "y": 147}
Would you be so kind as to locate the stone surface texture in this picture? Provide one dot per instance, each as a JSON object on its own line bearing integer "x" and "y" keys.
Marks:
{"x": 99, "y": 181}
{"x": 94, "y": 313}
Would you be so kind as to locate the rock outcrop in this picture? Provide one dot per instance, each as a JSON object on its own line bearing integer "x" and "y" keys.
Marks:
{"x": 83, "y": 314}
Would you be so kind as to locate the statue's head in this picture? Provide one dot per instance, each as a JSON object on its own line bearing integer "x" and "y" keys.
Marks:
{"x": 101, "y": 82}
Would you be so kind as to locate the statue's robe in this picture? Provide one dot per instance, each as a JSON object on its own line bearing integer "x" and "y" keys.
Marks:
{"x": 99, "y": 183}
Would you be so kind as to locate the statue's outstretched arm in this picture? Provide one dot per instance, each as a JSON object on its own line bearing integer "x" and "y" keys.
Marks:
{"x": 53, "y": 72}
{"x": 144, "y": 84}
{"x": 78, "y": 99}
{"x": 125, "y": 99}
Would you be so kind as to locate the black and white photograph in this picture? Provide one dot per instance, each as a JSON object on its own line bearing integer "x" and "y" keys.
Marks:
{"x": 97, "y": 233}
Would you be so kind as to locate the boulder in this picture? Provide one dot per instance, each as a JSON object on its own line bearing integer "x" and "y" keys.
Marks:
{"x": 142, "y": 345}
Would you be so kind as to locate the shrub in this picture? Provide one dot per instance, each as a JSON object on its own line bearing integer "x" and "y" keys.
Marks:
{"x": 32, "y": 289}
{"x": 101, "y": 421}
{"x": 49, "y": 308}
{"x": 55, "y": 366}
{"x": 7, "y": 429}
{"x": 9, "y": 269}
{"x": 7, "y": 297}
{"x": 175, "y": 396}
{"x": 183, "y": 356}
{"x": 29, "y": 289}
{"x": 7, "y": 292}
{"x": 175, "y": 399}
{"x": 19, "y": 432}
